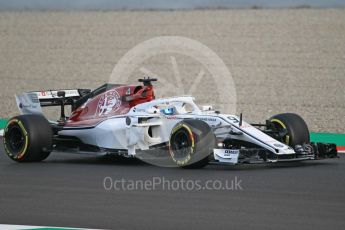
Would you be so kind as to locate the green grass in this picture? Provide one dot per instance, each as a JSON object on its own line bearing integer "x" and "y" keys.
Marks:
{"x": 3, "y": 123}
{"x": 338, "y": 139}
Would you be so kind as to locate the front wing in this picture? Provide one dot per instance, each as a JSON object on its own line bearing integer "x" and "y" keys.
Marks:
{"x": 312, "y": 151}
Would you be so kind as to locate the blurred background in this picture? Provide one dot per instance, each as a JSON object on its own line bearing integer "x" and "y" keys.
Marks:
{"x": 160, "y": 4}
{"x": 284, "y": 56}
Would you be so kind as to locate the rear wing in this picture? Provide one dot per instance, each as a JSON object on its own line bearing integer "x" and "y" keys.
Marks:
{"x": 32, "y": 102}
{"x": 51, "y": 98}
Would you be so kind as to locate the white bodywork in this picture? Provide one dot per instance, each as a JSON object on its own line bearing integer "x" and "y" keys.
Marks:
{"x": 130, "y": 132}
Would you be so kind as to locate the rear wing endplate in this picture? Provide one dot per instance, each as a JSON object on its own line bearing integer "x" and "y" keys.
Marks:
{"x": 32, "y": 102}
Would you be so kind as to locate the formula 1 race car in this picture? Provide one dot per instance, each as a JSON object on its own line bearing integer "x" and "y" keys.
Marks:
{"x": 127, "y": 120}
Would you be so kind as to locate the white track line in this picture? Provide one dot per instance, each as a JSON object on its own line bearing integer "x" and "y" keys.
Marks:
{"x": 20, "y": 227}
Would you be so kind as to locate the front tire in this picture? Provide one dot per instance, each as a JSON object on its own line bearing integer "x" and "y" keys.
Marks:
{"x": 28, "y": 138}
{"x": 191, "y": 143}
{"x": 297, "y": 129}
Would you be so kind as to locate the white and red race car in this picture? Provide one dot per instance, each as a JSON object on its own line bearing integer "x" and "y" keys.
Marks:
{"x": 127, "y": 120}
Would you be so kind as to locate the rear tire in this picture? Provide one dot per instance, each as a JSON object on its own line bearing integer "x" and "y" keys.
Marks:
{"x": 297, "y": 129}
{"x": 191, "y": 143}
{"x": 28, "y": 138}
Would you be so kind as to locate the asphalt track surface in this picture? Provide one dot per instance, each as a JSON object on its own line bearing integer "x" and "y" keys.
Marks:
{"x": 67, "y": 190}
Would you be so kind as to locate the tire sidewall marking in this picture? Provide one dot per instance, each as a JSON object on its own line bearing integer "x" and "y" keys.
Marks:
{"x": 287, "y": 137}
{"x": 186, "y": 159}
{"x": 26, "y": 136}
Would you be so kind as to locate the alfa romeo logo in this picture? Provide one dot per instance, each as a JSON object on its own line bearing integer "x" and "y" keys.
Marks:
{"x": 109, "y": 102}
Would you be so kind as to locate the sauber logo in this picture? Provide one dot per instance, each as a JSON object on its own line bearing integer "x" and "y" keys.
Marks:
{"x": 110, "y": 101}
{"x": 229, "y": 152}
